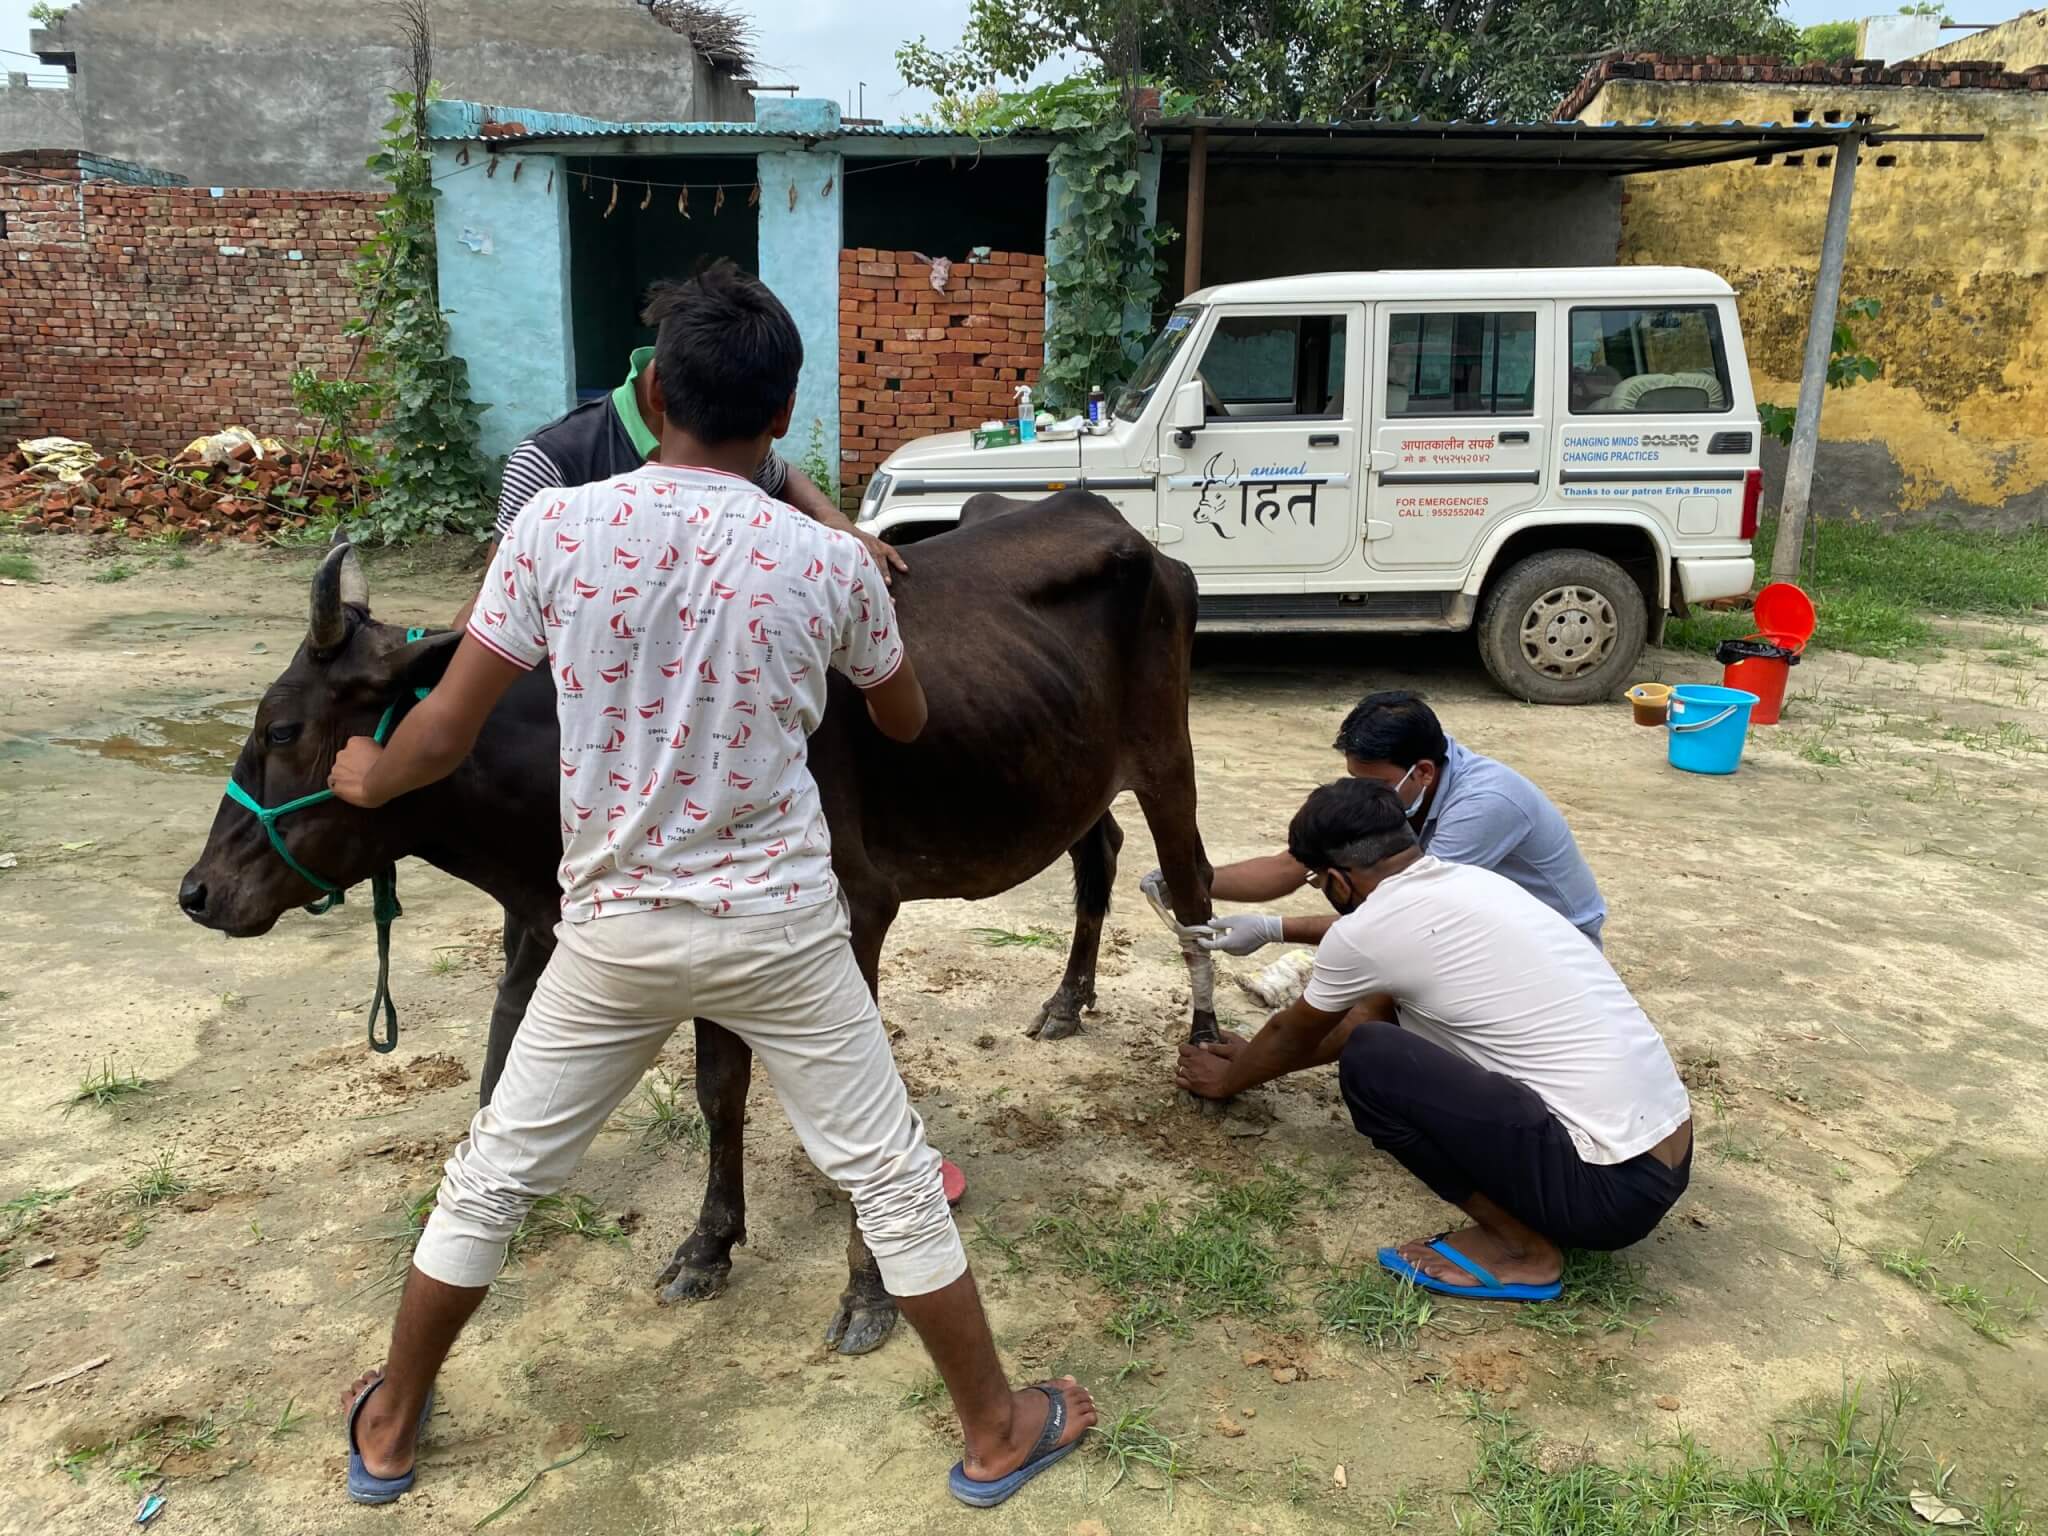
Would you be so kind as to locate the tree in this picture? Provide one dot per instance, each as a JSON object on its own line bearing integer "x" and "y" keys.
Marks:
{"x": 1826, "y": 42}
{"x": 1343, "y": 58}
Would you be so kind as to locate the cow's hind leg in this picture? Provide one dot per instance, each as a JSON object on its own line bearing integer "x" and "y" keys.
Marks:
{"x": 700, "y": 1266}
{"x": 1094, "y": 859}
{"x": 866, "y": 1314}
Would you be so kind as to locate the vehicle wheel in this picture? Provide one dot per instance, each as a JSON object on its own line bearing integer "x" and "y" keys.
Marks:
{"x": 1562, "y": 627}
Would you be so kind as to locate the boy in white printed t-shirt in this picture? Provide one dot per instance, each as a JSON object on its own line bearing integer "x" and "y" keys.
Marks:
{"x": 689, "y": 622}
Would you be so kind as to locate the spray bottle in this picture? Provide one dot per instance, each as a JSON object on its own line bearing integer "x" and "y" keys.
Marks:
{"x": 1027, "y": 419}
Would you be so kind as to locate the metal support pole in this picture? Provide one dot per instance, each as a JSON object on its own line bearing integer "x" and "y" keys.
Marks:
{"x": 1198, "y": 195}
{"x": 1813, "y": 369}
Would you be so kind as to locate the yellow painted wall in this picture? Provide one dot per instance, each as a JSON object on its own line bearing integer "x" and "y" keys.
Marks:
{"x": 1952, "y": 239}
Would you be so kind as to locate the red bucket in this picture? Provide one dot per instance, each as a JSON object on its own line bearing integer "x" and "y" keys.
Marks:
{"x": 1762, "y": 663}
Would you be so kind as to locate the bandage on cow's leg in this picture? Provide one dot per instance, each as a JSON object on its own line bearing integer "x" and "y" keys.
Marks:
{"x": 701, "y": 1264}
{"x": 1170, "y": 812}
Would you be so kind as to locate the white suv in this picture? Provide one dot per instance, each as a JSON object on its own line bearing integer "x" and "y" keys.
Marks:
{"x": 1557, "y": 457}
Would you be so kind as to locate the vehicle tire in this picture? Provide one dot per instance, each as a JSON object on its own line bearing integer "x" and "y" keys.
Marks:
{"x": 1562, "y": 627}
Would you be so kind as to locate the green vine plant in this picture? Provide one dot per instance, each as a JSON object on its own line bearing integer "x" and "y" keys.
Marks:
{"x": 428, "y": 467}
{"x": 1846, "y": 366}
{"x": 817, "y": 464}
{"x": 1102, "y": 270}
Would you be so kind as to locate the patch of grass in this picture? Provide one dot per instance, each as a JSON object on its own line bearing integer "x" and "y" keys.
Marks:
{"x": 1030, "y": 938}
{"x": 1163, "y": 1273}
{"x": 576, "y": 1215}
{"x": 193, "y": 1437}
{"x": 594, "y": 1435}
{"x": 288, "y": 1422}
{"x": 118, "y": 571}
{"x": 18, "y": 568}
{"x": 105, "y": 1088}
{"x": 1821, "y": 756}
{"x": 1988, "y": 1317}
{"x": 928, "y": 1391}
{"x": 1841, "y": 1471}
{"x": 1133, "y": 1439}
{"x": 1601, "y": 1291}
{"x": 155, "y": 1183}
{"x": 664, "y": 1118}
{"x": 74, "y": 1464}
{"x": 1383, "y": 1310}
{"x": 986, "y": 1236}
{"x": 24, "y": 1213}
{"x": 1871, "y": 587}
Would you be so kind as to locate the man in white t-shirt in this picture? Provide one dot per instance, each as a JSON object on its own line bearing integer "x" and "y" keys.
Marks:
{"x": 690, "y": 622}
{"x": 1509, "y": 1069}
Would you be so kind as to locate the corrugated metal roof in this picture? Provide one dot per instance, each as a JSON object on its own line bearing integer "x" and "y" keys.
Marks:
{"x": 1617, "y": 148}
{"x": 454, "y": 121}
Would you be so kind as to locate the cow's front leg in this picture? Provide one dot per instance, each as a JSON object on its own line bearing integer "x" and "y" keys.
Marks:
{"x": 1170, "y": 811}
{"x": 701, "y": 1265}
{"x": 867, "y": 1312}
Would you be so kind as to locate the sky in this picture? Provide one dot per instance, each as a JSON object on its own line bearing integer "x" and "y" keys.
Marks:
{"x": 830, "y": 47}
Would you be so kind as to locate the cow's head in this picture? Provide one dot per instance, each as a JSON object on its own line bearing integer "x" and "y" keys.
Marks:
{"x": 348, "y": 670}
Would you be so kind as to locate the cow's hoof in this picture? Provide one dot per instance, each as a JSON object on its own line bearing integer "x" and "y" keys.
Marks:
{"x": 861, "y": 1324}
{"x": 687, "y": 1281}
{"x": 1208, "y": 1109}
{"x": 1058, "y": 1019}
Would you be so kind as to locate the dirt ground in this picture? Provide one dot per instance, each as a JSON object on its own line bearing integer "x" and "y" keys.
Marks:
{"x": 1842, "y": 944}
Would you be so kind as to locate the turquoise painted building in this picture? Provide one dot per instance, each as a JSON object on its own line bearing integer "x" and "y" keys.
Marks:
{"x": 552, "y": 226}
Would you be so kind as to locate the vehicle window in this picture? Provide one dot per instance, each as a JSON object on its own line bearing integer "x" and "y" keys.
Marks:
{"x": 1461, "y": 364}
{"x": 1130, "y": 403}
{"x": 1267, "y": 366}
{"x": 1666, "y": 359}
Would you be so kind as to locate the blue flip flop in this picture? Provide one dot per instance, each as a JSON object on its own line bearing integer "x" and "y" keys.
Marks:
{"x": 365, "y": 1486}
{"x": 986, "y": 1495}
{"x": 1488, "y": 1288}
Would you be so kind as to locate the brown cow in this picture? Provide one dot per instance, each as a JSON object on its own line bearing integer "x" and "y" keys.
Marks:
{"x": 1054, "y": 646}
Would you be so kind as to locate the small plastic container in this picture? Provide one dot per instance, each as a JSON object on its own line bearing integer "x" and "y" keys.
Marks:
{"x": 1651, "y": 702}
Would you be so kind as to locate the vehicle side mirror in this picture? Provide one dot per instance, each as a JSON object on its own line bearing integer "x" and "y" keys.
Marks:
{"x": 1187, "y": 413}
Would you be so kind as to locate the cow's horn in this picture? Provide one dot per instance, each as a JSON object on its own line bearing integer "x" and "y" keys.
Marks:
{"x": 355, "y": 587}
{"x": 327, "y": 626}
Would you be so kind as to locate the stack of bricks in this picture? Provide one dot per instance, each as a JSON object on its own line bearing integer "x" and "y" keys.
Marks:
{"x": 142, "y": 316}
{"x": 914, "y": 359}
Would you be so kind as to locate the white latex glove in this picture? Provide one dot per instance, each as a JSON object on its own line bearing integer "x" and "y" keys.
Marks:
{"x": 1240, "y": 933}
{"x": 1153, "y": 889}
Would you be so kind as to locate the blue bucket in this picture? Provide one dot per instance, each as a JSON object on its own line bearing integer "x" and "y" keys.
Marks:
{"x": 1707, "y": 727}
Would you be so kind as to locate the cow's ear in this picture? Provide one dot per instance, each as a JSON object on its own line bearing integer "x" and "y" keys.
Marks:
{"x": 420, "y": 663}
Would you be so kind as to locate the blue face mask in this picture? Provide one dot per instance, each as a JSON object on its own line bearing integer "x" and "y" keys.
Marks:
{"x": 1412, "y": 806}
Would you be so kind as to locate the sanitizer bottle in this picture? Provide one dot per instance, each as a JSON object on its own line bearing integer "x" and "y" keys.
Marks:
{"x": 1027, "y": 419}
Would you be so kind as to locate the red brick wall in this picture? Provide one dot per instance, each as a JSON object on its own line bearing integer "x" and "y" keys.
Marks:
{"x": 141, "y": 316}
{"x": 914, "y": 360}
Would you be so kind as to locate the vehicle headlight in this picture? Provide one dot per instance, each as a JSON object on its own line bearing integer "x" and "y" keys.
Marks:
{"x": 877, "y": 493}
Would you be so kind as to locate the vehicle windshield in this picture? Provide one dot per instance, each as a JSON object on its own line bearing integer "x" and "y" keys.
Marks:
{"x": 1130, "y": 404}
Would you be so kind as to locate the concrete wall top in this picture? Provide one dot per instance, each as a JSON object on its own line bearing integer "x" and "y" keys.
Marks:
{"x": 292, "y": 93}
{"x": 2021, "y": 43}
{"x": 33, "y": 117}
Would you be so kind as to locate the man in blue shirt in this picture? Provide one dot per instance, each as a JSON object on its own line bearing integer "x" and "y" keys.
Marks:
{"x": 1465, "y": 809}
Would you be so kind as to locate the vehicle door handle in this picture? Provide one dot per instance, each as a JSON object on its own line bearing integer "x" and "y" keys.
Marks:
{"x": 1322, "y": 439}
{"x": 1512, "y": 437}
